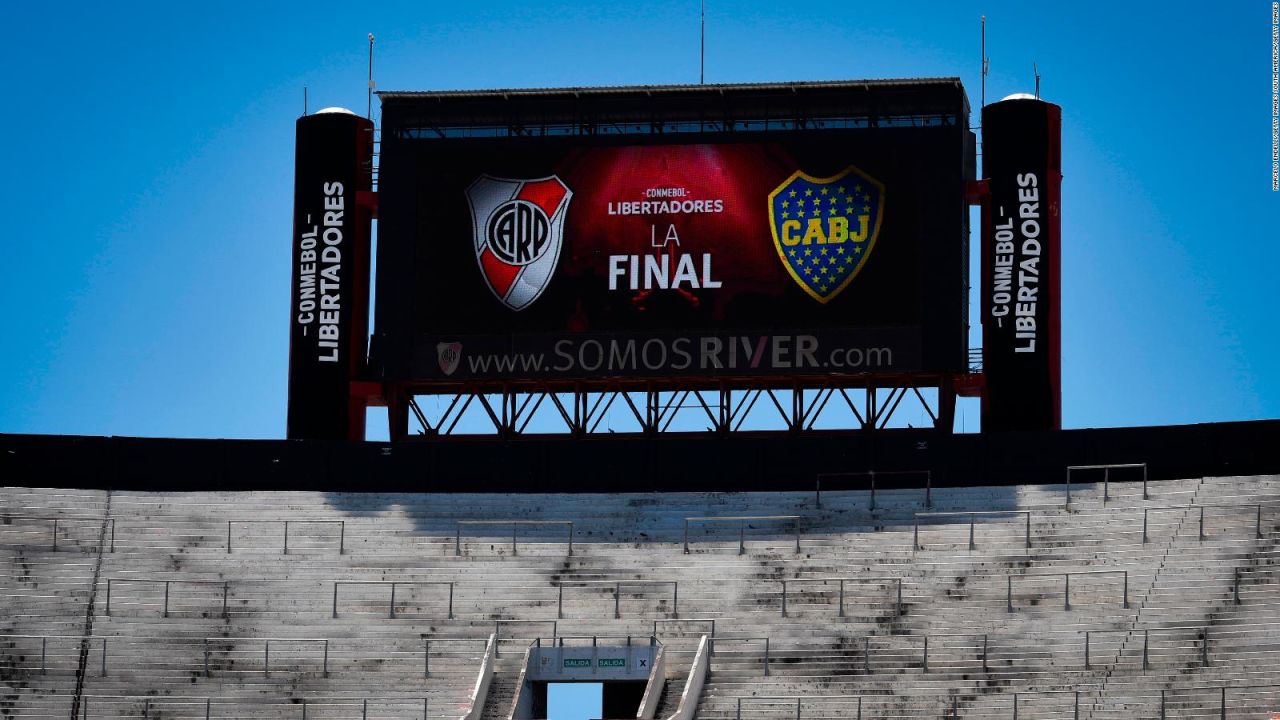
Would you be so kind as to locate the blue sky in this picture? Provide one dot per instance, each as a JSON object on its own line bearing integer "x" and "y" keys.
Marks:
{"x": 149, "y": 177}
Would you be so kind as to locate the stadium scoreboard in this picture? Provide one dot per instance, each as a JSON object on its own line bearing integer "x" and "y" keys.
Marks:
{"x": 669, "y": 237}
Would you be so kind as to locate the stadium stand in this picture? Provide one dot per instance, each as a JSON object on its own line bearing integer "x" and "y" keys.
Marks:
{"x": 998, "y": 602}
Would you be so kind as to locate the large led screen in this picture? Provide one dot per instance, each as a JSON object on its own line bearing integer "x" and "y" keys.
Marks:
{"x": 806, "y": 254}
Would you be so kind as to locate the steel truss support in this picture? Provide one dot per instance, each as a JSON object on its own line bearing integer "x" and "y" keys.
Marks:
{"x": 654, "y": 409}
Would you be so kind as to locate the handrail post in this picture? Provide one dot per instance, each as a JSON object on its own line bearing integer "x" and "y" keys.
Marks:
{"x": 1075, "y": 714}
{"x": 1146, "y": 645}
{"x": 228, "y": 537}
{"x": 984, "y": 652}
{"x": 972, "y": 545}
{"x": 266, "y": 658}
{"x": 784, "y": 598}
{"x": 335, "y": 598}
{"x": 44, "y": 641}
{"x": 1086, "y": 650}
{"x": 766, "y": 656}
{"x": 571, "y": 537}
{"x": 108, "y": 611}
{"x": 1106, "y": 483}
{"x": 426, "y": 657}
{"x": 928, "y": 488}
{"x": 873, "y": 491}
{"x": 1144, "y": 526}
{"x": 166, "y": 598}
{"x": 797, "y": 534}
{"x": 392, "y": 605}
{"x": 55, "y": 534}
{"x": 1015, "y": 706}
{"x": 817, "y": 492}
{"x": 617, "y": 600}
{"x": 206, "y": 708}
{"x": 451, "y": 599}
{"x": 113, "y": 533}
{"x": 1202, "y": 522}
{"x": 1223, "y": 706}
{"x": 739, "y": 716}
{"x": 1162, "y": 704}
{"x": 286, "y": 537}
{"x": 925, "y": 654}
{"x": 1258, "y": 526}
{"x": 742, "y": 537}
{"x": 325, "y": 667}
{"x": 342, "y": 537}
{"x": 104, "y": 657}
{"x": 841, "y": 612}
{"x": 1008, "y": 593}
{"x": 206, "y": 657}
{"x": 1204, "y": 648}
{"x": 1124, "y": 600}
{"x": 1235, "y": 588}
{"x": 686, "y": 536}
{"x": 1028, "y": 529}
{"x": 1066, "y": 591}
{"x": 675, "y": 598}
{"x": 899, "y": 607}
{"x": 915, "y": 533}
{"x": 797, "y": 707}
{"x": 364, "y": 711}
{"x": 866, "y": 654}
{"x": 515, "y": 528}
{"x": 1068, "y": 503}
{"x": 457, "y": 541}
{"x": 224, "y": 599}
{"x": 560, "y": 603}
{"x": 1145, "y": 496}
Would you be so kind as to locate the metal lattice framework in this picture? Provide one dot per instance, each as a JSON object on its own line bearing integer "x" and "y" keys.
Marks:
{"x": 515, "y": 410}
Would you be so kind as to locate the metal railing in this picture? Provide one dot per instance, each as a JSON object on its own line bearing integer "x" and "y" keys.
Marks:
{"x": 742, "y": 521}
{"x": 167, "y": 583}
{"x": 342, "y": 530}
{"x": 53, "y": 531}
{"x": 928, "y": 483}
{"x": 841, "y": 582}
{"x": 711, "y": 621}
{"x": 1106, "y": 477}
{"x": 972, "y": 515}
{"x": 1066, "y": 590}
{"x": 711, "y": 646}
{"x": 497, "y": 631}
{"x": 776, "y": 700}
{"x": 515, "y": 525}
{"x": 209, "y": 704}
{"x": 1203, "y": 631}
{"x": 617, "y": 593}
{"x": 426, "y": 649}
{"x": 391, "y": 604}
{"x": 266, "y": 650}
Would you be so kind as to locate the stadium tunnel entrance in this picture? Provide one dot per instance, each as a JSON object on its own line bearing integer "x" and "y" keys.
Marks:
{"x": 622, "y": 672}
{"x": 616, "y": 699}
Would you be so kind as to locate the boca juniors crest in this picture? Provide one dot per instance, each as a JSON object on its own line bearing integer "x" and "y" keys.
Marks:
{"x": 824, "y": 228}
{"x": 518, "y": 228}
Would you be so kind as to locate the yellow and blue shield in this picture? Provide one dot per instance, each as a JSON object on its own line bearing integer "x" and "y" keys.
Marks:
{"x": 824, "y": 228}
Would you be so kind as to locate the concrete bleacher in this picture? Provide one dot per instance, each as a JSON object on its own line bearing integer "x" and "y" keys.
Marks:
{"x": 209, "y": 614}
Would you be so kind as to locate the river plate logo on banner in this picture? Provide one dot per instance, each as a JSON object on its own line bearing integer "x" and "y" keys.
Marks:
{"x": 824, "y": 228}
{"x": 518, "y": 228}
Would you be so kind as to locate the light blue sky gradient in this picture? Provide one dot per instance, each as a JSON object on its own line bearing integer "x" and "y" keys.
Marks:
{"x": 148, "y": 163}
